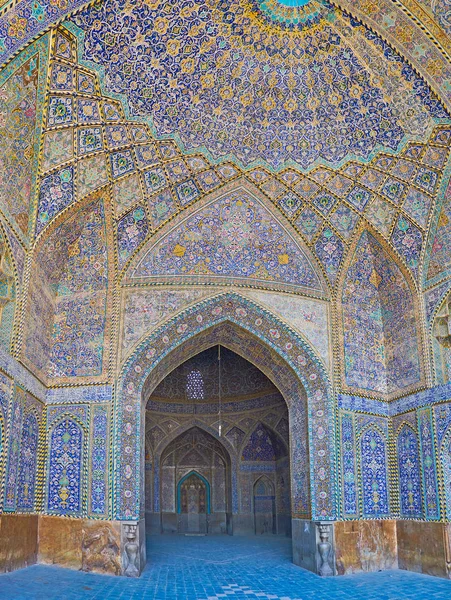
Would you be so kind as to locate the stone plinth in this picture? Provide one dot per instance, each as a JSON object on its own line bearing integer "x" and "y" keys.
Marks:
{"x": 83, "y": 544}
{"x": 365, "y": 546}
{"x": 18, "y": 541}
{"x": 425, "y": 547}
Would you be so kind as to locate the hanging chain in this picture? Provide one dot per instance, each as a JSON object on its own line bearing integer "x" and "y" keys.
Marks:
{"x": 219, "y": 391}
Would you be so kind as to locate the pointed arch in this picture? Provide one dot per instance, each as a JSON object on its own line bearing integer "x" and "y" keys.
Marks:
{"x": 279, "y": 352}
{"x": 206, "y": 483}
{"x": 266, "y": 481}
{"x": 381, "y": 339}
{"x": 169, "y": 441}
{"x": 408, "y": 460}
{"x": 272, "y": 449}
{"x": 374, "y": 472}
{"x": 225, "y": 220}
{"x": 160, "y": 449}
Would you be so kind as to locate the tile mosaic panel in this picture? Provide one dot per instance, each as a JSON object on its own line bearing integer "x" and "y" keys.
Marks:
{"x": 98, "y": 502}
{"x": 378, "y": 311}
{"x": 409, "y": 474}
{"x": 439, "y": 258}
{"x": 428, "y": 464}
{"x": 132, "y": 229}
{"x": 242, "y": 120}
{"x": 58, "y": 148}
{"x": 446, "y": 466}
{"x": 92, "y": 174}
{"x": 350, "y": 493}
{"x": 56, "y": 193}
{"x": 66, "y": 440}
{"x": 145, "y": 309}
{"x": 26, "y": 479}
{"x": 220, "y": 241}
{"x": 373, "y": 460}
{"x": 21, "y": 100}
{"x": 12, "y": 465}
{"x": 309, "y": 317}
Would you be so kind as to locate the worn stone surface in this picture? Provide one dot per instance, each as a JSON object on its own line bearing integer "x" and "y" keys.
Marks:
{"x": 60, "y": 541}
{"x": 81, "y": 544}
{"x": 101, "y": 547}
{"x": 18, "y": 541}
{"x": 304, "y": 544}
{"x": 424, "y": 547}
{"x": 365, "y": 546}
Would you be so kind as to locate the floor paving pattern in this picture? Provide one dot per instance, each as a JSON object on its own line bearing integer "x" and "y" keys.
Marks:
{"x": 211, "y": 568}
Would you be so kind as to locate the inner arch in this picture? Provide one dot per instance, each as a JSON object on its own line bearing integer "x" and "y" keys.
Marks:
{"x": 207, "y": 446}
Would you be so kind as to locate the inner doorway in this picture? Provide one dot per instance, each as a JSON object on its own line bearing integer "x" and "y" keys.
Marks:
{"x": 217, "y": 450}
{"x": 197, "y": 466}
{"x": 193, "y": 508}
{"x": 264, "y": 506}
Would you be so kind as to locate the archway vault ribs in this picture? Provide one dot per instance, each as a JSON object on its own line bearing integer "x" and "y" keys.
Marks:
{"x": 281, "y": 354}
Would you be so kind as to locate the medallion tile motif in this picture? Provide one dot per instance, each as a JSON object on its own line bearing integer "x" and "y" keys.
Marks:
{"x": 201, "y": 110}
{"x": 234, "y": 237}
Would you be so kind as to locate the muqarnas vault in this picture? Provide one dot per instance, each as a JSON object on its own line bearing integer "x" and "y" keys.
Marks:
{"x": 225, "y": 281}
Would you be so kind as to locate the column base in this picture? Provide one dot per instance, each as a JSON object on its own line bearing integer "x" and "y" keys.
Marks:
{"x": 313, "y": 546}
{"x": 133, "y": 547}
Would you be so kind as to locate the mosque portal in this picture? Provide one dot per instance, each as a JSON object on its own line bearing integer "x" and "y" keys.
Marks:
{"x": 217, "y": 450}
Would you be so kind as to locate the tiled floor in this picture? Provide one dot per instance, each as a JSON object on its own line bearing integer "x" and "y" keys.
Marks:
{"x": 208, "y": 568}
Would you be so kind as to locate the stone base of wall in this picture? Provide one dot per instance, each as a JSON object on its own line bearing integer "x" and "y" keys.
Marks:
{"x": 18, "y": 541}
{"x": 82, "y": 544}
{"x": 381, "y": 545}
{"x": 365, "y": 546}
{"x": 304, "y": 544}
{"x": 425, "y": 548}
{"x": 355, "y": 546}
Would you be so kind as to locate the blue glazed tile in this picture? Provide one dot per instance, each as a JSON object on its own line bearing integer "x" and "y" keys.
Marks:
{"x": 210, "y": 568}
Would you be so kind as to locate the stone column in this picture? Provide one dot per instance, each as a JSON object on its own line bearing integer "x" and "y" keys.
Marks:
{"x": 313, "y": 546}
{"x": 133, "y": 547}
{"x": 325, "y": 558}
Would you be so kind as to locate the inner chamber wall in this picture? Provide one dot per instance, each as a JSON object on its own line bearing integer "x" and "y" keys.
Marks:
{"x": 231, "y": 449}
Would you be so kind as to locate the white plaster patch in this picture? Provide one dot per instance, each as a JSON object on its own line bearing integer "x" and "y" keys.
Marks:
{"x": 308, "y": 316}
{"x": 145, "y": 309}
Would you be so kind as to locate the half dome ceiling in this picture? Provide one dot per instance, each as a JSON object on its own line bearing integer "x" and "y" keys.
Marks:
{"x": 259, "y": 81}
{"x": 295, "y": 99}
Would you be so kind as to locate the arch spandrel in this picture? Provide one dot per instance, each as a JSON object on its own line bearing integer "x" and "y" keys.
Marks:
{"x": 233, "y": 236}
{"x": 277, "y": 340}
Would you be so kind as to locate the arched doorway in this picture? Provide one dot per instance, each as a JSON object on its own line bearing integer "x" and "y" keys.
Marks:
{"x": 284, "y": 357}
{"x": 193, "y": 503}
{"x": 215, "y": 426}
{"x": 264, "y": 506}
{"x": 194, "y": 484}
